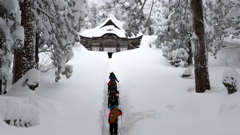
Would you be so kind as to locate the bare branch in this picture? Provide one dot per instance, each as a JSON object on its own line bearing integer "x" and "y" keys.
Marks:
{"x": 150, "y": 10}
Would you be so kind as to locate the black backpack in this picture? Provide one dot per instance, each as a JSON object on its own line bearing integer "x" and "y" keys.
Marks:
{"x": 112, "y": 100}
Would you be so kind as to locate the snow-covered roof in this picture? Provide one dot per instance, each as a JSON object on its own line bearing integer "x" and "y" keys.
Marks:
{"x": 110, "y": 25}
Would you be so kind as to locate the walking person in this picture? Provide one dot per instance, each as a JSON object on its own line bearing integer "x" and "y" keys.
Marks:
{"x": 112, "y": 76}
{"x": 113, "y": 80}
{"x": 114, "y": 113}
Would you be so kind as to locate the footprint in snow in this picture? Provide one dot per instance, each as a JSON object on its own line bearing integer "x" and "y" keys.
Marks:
{"x": 170, "y": 107}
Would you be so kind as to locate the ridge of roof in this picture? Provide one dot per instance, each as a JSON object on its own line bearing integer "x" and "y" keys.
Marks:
{"x": 110, "y": 22}
{"x": 115, "y": 21}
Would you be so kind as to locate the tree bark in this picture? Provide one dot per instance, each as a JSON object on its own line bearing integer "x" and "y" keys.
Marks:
{"x": 24, "y": 58}
{"x": 189, "y": 60}
{"x": 1, "y": 47}
{"x": 3, "y": 80}
{"x": 200, "y": 55}
{"x": 2, "y": 41}
{"x": 36, "y": 50}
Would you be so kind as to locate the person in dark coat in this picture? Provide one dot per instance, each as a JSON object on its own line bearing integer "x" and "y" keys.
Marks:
{"x": 112, "y": 76}
{"x": 112, "y": 87}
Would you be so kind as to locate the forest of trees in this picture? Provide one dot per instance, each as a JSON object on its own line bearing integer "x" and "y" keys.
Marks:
{"x": 29, "y": 27}
{"x": 187, "y": 30}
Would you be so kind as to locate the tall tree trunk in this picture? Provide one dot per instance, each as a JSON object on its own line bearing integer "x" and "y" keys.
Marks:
{"x": 36, "y": 49}
{"x": 24, "y": 58}
{"x": 3, "y": 80}
{"x": 189, "y": 60}
{"x": 2, "y": 41}
{"x": 200, "y": 53}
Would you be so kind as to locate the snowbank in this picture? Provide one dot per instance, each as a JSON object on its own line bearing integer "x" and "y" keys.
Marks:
{"x": 154, "y": 98}
{"x": 18, "y": 111}
{"x": 19, "y": 106}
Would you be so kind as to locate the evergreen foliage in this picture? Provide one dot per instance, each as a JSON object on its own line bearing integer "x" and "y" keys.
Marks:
{"x": 175, "y": 31}
{"x": 11, "y": 37}
{"x": 222, "y": 19}
{"x": 30, "y": 27}
{"x": 58, "y": 27}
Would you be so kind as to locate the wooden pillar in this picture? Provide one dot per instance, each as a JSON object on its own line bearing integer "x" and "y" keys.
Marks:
{"x": 101, "y": 44}
{"x": 128, "y": 46}
{"x": 90, "y": 44}
{"x": 118, "y": 46}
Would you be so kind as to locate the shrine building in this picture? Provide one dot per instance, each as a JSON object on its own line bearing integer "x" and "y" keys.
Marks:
{"x": 109, "y": 37}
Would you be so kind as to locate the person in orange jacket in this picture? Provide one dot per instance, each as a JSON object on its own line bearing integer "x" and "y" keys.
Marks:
{"x": 113, "y": 115}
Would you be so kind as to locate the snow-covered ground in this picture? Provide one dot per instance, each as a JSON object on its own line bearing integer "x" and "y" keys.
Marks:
{"x": 155, "y": 100}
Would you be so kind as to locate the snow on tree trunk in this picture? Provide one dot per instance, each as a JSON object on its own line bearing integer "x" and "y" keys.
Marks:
{"x": 3, "y": 51}
{"x": 24, "y": 58}
{"x": 200, "y": 61}
{"x": 189, "y": 60}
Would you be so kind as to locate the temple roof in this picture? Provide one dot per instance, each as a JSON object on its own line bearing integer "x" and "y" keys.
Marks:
{"x": 110, "y": 25}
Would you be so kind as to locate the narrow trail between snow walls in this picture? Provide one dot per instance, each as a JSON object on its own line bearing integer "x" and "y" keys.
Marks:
{"x": 110, "y": 66}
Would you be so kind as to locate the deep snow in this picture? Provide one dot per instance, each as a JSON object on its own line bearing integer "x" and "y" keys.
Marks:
{"x": 153, "y": 97}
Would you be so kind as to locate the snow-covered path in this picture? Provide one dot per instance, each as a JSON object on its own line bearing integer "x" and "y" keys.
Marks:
{"x": 112, "y": 66}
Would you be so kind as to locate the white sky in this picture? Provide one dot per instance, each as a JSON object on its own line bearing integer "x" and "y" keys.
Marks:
{"x": 153, "y": 97}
